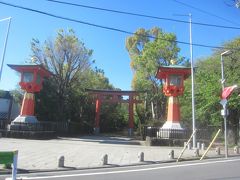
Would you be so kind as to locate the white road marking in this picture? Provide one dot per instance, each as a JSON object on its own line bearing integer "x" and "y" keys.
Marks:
{"x": 131, "y": 170}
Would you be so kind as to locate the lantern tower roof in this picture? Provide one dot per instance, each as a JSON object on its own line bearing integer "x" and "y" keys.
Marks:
{"x": 31, "y": 68}
{"x": 163, "y": 71}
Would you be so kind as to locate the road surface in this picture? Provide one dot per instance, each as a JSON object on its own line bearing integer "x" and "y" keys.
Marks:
{"x": 220, "y": 169}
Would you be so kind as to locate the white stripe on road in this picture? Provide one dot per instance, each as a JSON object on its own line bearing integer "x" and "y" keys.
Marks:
{"x": 127, "y": 171}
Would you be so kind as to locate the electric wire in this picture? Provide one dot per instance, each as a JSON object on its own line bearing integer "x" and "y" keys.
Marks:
{"x": 109, "y": 28}
{"x": 142, "y": 15}
{"x": 206, "y": 12}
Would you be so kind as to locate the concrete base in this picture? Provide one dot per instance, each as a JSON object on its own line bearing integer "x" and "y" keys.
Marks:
{"x": 22, "y": 123}
{"x": 171, "y": 130}
{"x": 96, "y": 130}
{"x": 25, "y": 119}
{"x": 172, "y": 125}
{"x": 130, "y": 132}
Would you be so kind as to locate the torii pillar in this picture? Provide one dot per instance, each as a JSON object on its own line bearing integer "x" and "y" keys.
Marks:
{"x": 131, "y": 118}
{"x": 97, "y": 114}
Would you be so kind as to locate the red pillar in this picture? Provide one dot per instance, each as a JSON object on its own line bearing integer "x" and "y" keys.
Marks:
{"x": 173, "y": 116}
{"x": 97, "y": 114}
{"x": 173, "y": 110}
{"x": 28, "y": 104}
{"x": 131, "y": 119}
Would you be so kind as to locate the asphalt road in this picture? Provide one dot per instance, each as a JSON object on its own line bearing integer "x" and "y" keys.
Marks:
{"x": 192, "y": 170}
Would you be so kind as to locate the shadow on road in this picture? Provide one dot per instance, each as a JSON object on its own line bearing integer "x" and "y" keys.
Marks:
{"x": 105, "y": 140}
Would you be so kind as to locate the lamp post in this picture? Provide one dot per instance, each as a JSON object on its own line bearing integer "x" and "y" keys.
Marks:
{"x": 5, "y": 44}
{"x": 224, "y": 103}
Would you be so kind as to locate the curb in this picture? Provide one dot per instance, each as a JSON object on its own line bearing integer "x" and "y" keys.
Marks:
{"x": 145, "y": 163}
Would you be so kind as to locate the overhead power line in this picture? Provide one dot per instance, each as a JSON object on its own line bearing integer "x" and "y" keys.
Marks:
{"x": 206, "y": 12}
{"x": 106, "y": 27}
{"x": 142, "y": 15}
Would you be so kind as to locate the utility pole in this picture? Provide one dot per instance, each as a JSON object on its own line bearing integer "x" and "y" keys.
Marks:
{"x": 192, "y": 78}
{"x": 224, "y": 112}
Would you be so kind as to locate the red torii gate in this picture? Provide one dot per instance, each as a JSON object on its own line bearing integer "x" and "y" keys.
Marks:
{"x": 113, "y": 96}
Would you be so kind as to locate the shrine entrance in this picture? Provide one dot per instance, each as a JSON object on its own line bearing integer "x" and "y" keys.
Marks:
{"x": 111, "y": 96}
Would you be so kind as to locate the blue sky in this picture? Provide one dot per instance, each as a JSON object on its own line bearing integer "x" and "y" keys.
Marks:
{"x": 109, "y": 46}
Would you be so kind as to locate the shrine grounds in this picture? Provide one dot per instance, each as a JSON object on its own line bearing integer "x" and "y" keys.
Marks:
{"x": 87, "y": 152}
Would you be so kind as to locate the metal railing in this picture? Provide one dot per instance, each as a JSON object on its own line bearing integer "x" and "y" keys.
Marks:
{"x": 3, "y": 124}
{"x": 158, "y": 133}
{"x": 39, "y": 126}
{"x": 3, "y": 115}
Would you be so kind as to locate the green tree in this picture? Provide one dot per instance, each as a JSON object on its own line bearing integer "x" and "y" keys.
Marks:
{"x": 208, "y": 89}
{"x": 149, "y": 49}
{"x": 66, "y": 57}
{"x": 64, "y": 96}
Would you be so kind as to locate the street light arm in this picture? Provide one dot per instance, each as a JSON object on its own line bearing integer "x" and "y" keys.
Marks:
{"x": 225, "y": 53}
{"x": 5, "y": 45}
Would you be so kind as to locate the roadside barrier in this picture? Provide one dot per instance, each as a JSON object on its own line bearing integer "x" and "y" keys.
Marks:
{"x": 10, "y": 157}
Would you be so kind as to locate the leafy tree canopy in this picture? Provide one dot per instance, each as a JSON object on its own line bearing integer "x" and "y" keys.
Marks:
{"x": 149, "y": 49}
{"x": 208, "y": 88}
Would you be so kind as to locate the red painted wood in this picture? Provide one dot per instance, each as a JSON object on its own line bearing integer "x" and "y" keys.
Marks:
{"x": 131, "y": 114}
{"x": 111, "y": 96}
{"x": 173, "y": 110}
{"x": 97, "y": 116}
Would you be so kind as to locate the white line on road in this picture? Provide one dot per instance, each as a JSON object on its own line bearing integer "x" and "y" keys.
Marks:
{"x": 132, "y": 170}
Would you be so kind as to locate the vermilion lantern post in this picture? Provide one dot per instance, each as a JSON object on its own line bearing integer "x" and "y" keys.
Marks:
{"x": 31, "y": 81}
{"x": 173, "y": 87}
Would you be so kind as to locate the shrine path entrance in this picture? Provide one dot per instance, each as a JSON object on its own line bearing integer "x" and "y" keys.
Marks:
{"x": 111, "y": 96}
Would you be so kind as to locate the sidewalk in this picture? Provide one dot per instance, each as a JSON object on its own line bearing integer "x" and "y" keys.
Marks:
{"x": 86, "y": 152}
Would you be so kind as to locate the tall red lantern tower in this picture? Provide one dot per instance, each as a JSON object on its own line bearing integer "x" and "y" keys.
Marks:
{"x": 173, "y": 87}
{"x": 31, "y": 81}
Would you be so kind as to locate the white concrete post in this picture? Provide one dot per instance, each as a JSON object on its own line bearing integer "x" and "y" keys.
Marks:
{"x": 141, "y": 157}
{"x": 61, "y": 161}
{"x": 198, "y": 145}
{"x": 196, "y": 152}
{"x": 171, "y": 154}
{"x": 236, "y": 150}
{"x": 217, "y": 151}
{"x": 105, "y": 159}
{"x": 14, "y": 165}
{"x": 203, "y": 146}
{"x": 184, "y": 144}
